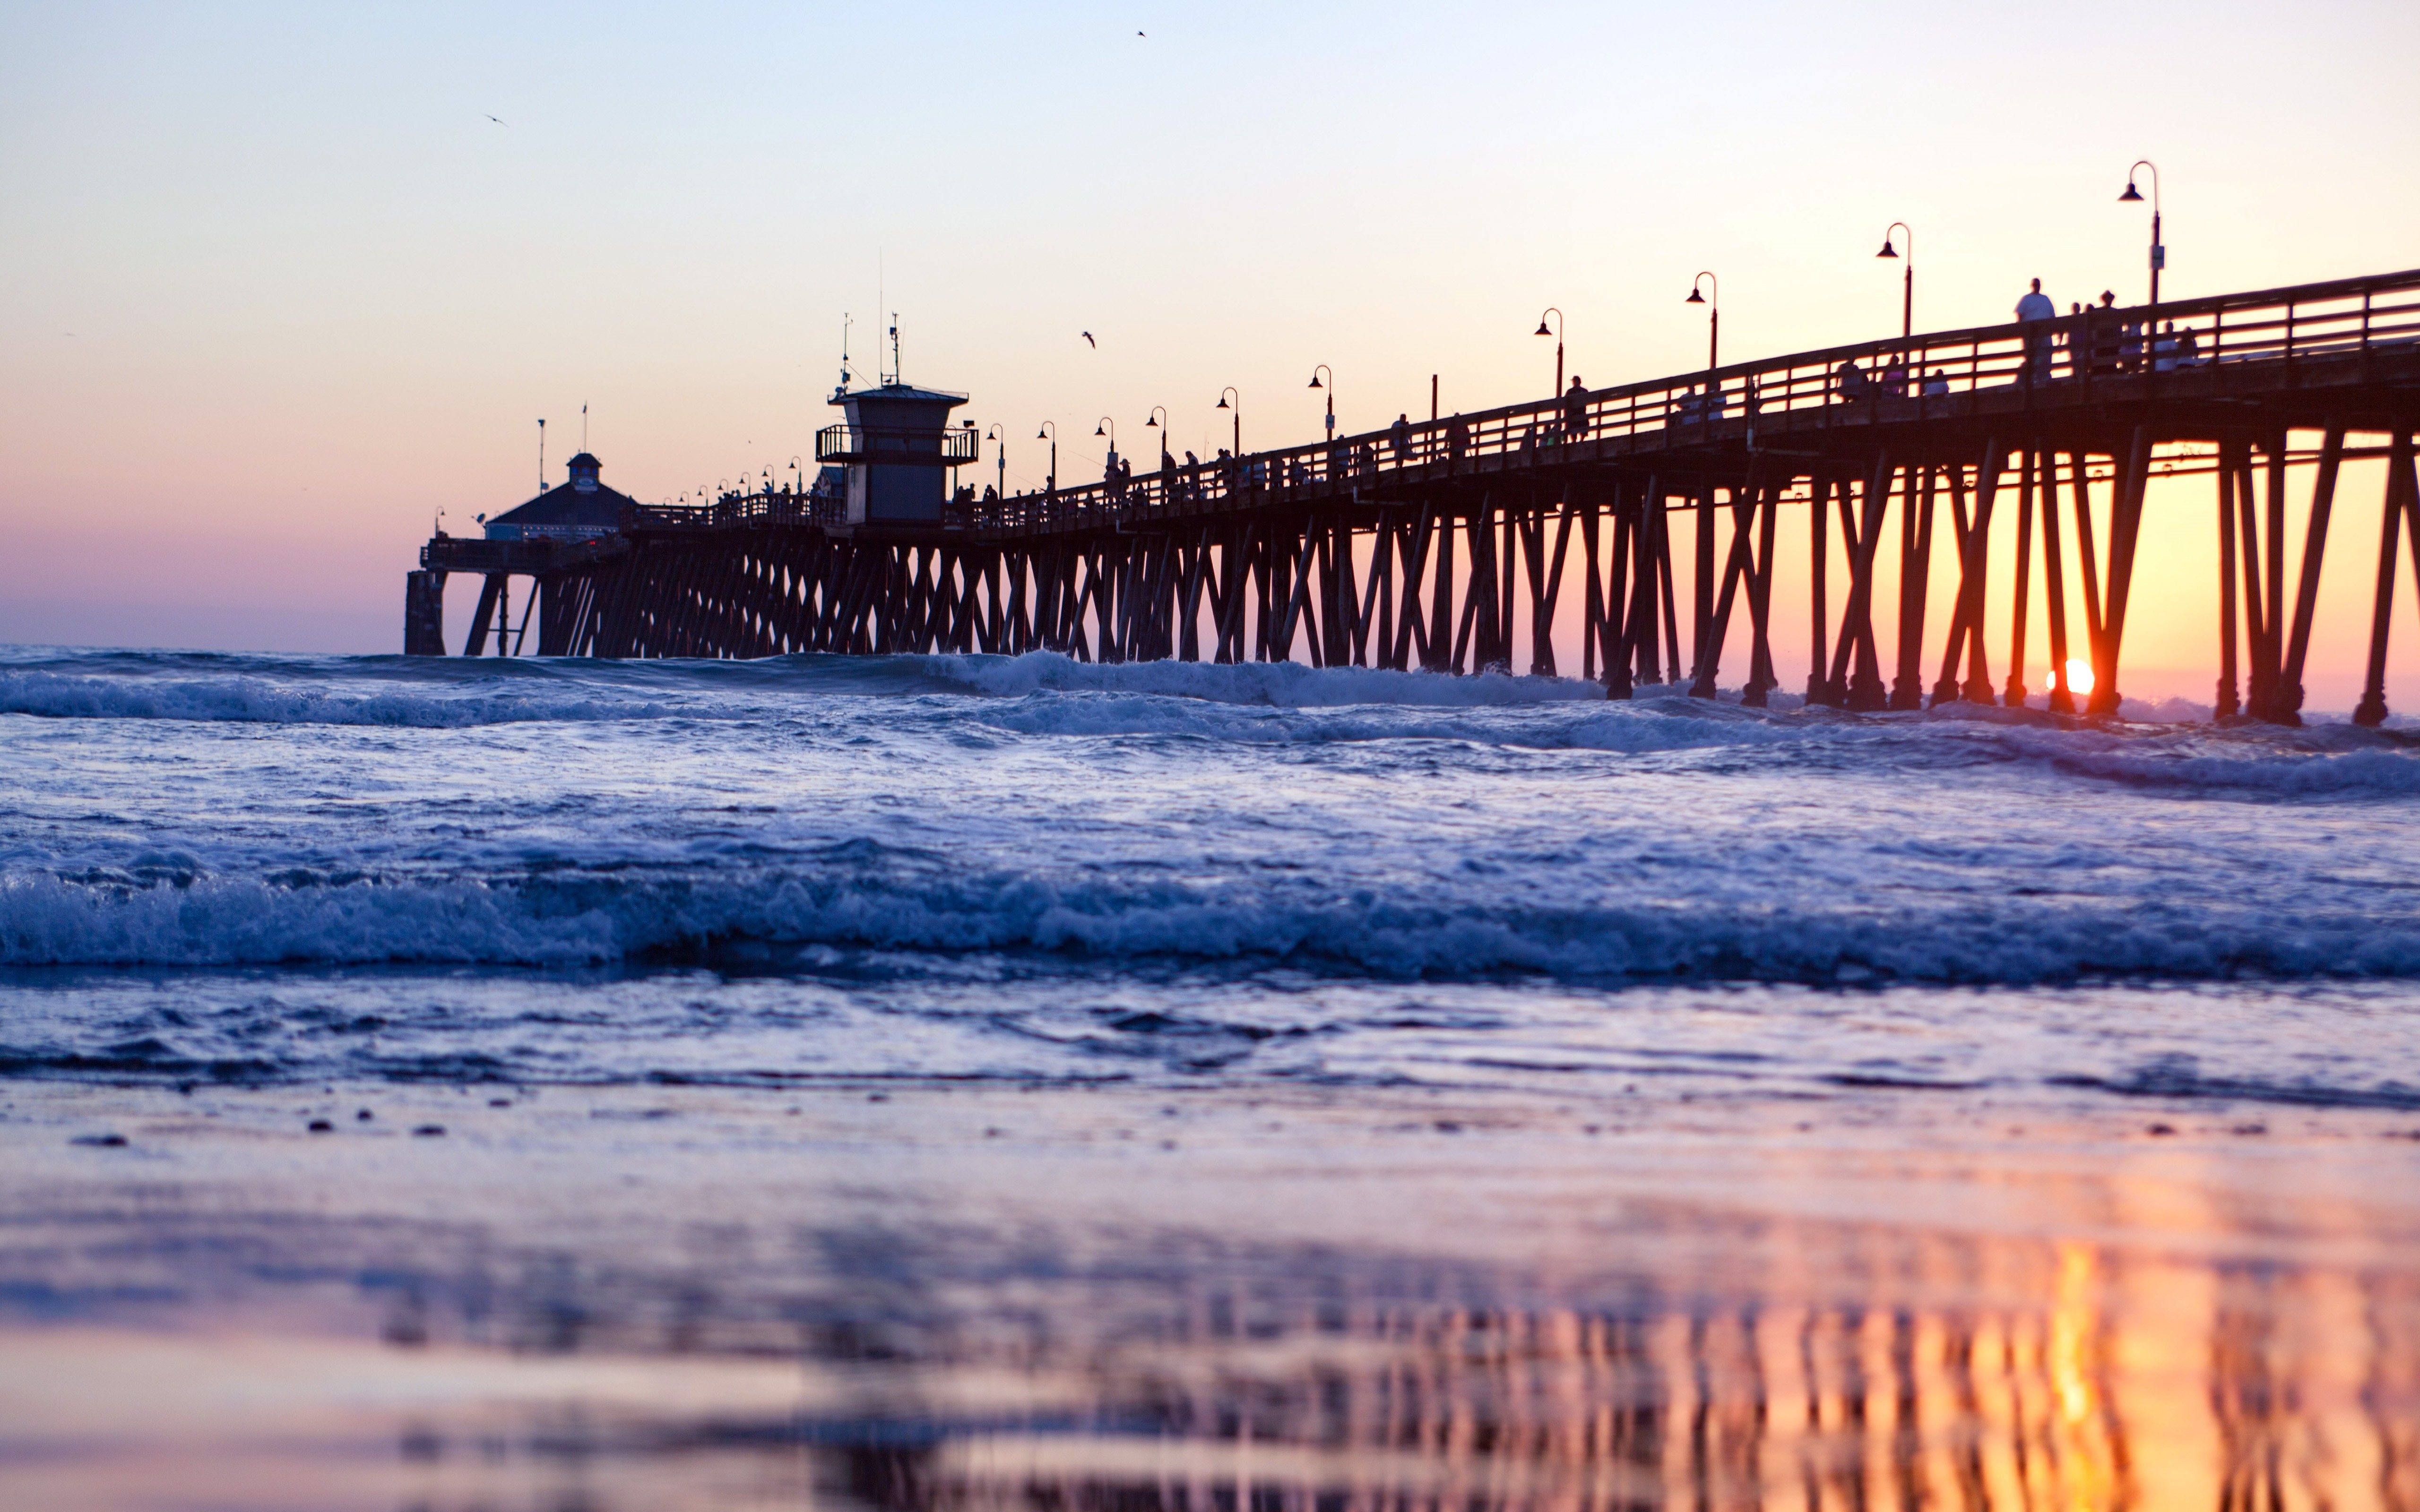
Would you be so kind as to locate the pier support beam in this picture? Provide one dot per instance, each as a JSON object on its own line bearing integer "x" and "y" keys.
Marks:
{"x": 491, "y": 595}
{"x": 2306, "y": 589}
{"x": 423, "y": 613}
{"x": 2035, "y": 475}
{"x": 1914, "y": 577}
{"x": 2125, "y": 529}
{"x": 1819, "y": 687}
{"x": 2402, "y": 511}
{"x": 2062, "y": 698}
{"x": 2226, "y": 705}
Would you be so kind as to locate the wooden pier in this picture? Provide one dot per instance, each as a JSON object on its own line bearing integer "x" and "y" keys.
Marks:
{"x": 1449, "y": 545}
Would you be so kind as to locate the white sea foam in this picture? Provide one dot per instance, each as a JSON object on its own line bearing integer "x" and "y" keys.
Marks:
{"x": 1280, "y": 685}
{"x": 1422, "y": 931}
{"x": 262, "y": 701}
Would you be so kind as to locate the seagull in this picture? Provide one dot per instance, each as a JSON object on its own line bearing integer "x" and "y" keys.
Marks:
{"x": 1090, "y": 342}
{"x": 497, "y": 119}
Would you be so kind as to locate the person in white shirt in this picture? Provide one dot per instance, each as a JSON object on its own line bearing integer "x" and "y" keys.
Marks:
{"x": 2033, "y": 307}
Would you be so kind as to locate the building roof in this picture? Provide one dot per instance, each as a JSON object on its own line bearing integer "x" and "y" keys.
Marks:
{"x": 567, "y": 504}
{"x": 899, "y": 390}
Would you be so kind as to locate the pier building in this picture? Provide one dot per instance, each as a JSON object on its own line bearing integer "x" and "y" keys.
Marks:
{"x": 580, "y": 508}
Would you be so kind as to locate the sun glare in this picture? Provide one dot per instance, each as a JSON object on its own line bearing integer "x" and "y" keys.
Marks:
{"x": 2079, "y": 676}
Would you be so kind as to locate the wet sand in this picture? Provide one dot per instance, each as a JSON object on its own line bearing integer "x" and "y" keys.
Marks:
{"x": 919, "y": 1296}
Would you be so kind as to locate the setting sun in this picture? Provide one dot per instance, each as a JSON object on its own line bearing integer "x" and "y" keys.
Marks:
{"x": 2079, "y": 676}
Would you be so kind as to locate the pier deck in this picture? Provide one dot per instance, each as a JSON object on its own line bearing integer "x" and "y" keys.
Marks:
{"x": 1447, "y": 544}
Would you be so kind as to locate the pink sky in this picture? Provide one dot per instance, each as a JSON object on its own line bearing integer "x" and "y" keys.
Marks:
{"x": 276, "y": 289}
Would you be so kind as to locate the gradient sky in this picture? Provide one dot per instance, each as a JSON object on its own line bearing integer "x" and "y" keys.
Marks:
{"x": 274, "y": 289}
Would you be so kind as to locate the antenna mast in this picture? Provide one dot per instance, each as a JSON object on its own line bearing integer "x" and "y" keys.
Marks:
{"x": 541, "y": 456}
{"x": 895, "y": 346}
{"x": 583, "y": 427}
{"x": 844, "y": 321}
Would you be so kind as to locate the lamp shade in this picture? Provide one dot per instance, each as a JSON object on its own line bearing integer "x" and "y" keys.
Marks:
{"x": 1888, "y": 251}
{"x": 2131, "y": 196}
{"x": 1695, "y": 297}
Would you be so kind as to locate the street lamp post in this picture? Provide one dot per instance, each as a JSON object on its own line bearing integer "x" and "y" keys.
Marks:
{"x": 1049, "y": 432}
{"x": 1331, "y": 396}
{"x": 995, "y": 434}
{"x": 1158, "y": 413}
{"x": 1238, "y": 407}
{"x": 2134, "y": 196}
{"x": 1907, "y": 284}
{"x": 1558, "y": 334}
{"x": 1714, "y": 315}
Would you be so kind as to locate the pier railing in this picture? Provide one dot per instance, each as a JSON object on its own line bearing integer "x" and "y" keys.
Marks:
{"x": 2178, "y": 349}
{"x": 780, "y": 506}
{"x": 2103, "y": 354}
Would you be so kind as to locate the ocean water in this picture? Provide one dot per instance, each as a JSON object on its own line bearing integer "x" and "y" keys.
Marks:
{"x": 986, "y": 1085}
{"x": 281, "y": 870}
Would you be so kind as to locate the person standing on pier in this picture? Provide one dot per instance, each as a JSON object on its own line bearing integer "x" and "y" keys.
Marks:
{"x": 1852, "y": 381}
{"x": 1401, "y": 435}
{"x": 2101, "y": 340}
{"x": 2033, "y": 309}
{"x": 1575, "y": 409}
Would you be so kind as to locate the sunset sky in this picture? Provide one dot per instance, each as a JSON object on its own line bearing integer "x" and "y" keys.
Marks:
{"x": 274, "y": 288}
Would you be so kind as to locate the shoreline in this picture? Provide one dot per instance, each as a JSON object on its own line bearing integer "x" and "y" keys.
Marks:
{"x": 1076, "y": 1284}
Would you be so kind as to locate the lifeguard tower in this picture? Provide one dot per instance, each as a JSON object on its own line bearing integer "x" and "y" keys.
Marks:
{"x": 898, "y": 447}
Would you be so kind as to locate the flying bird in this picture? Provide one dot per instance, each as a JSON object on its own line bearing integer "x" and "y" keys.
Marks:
{"x": 497, "y": 119}
{"x": 1090, "y": 342}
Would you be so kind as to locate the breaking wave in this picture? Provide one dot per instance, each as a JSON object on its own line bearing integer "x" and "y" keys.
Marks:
{"x": 863, "y": 895}
{"x": 259, "y": 700}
